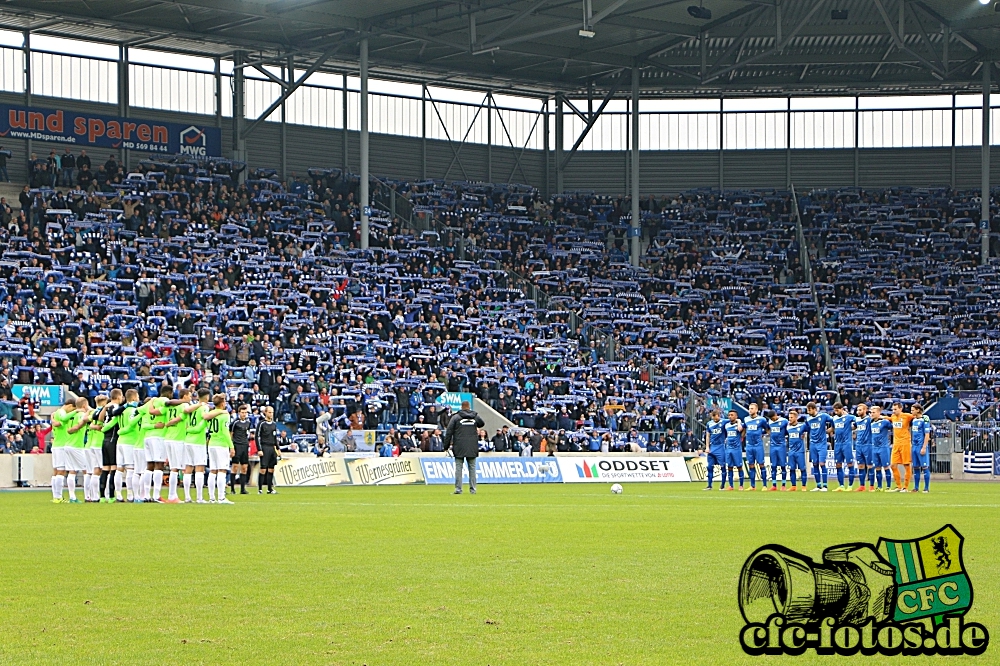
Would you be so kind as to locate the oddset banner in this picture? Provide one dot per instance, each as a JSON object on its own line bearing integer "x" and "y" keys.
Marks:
{"x": 610, "y": 469}
{"x": 89, "y": 129}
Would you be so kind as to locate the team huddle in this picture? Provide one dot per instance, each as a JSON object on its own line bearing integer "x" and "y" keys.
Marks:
{"x": 867, "y": 446}
{"x": 122, "y": 445}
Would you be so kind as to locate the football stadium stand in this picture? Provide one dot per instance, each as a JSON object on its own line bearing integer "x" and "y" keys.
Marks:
{"x": 176, "y": 274}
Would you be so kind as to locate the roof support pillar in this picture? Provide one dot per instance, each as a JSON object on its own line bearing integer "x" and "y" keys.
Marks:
{"x": 984, "y": 218}
{"x": 239, "y": 109}
{"x": 559, "y": 145}
{"x": 364, "y": 203}
{"x": 636, "y": 229}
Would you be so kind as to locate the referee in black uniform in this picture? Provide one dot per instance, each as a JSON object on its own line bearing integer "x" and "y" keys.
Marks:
{"x": 267, "y": 443}
{"x": 240, "y": 429}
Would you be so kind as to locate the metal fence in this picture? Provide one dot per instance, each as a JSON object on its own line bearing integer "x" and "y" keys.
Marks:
{"x": 332, "y": 101}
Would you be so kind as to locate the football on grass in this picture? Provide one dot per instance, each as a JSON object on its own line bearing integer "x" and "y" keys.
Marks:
{"x": 617, "y": 489}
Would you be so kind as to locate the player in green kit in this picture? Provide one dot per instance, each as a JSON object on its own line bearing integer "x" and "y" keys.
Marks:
{"x": 156, "y": 450}
{"x": 129, "y": 429}
{"x": 220, "y": 448}
{"x": 60, "y": 418}
{"x": 95, "y": 442}
{"x": 76, "y": 443}
{"x": 142, "y": 422}
{"x": 195, "y": 449}
{"x": 173, "y": 437}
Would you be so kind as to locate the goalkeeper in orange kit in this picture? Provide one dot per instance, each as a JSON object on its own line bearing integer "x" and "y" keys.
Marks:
{"x": 901, "y": 448}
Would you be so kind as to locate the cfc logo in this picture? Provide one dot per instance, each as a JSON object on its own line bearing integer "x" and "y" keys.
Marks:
{"x": 896, "y": 597}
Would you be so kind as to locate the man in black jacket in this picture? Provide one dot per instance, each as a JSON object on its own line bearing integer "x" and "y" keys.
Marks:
{"x": 502, "y": 440}
{"x": 463, "y": 437}
{"x": 267, "y": 442}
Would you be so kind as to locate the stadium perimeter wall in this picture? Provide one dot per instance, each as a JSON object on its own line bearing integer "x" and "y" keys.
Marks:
{"x": 303, "y": 469}
{"x": 661, "y": 172}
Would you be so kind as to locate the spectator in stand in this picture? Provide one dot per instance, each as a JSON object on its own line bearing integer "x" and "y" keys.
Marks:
{"x": 53, "y": 167}
{"x": 67, "y": 164}
{"x": 3, "y": 164}
{"x": 84, "y": 178}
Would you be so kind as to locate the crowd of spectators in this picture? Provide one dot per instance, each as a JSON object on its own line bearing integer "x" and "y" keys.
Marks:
{"x": 177, "y": 275}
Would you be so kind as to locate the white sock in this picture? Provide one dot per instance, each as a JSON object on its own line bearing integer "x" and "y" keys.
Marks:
{"x": 211, "y": 486}
{"x": 199, "y": 486}
{"x": 172, "y": 493}
{"x": 118, "y": 478}
{"x": 96, "y": 492}
{"x": 55, "y": 487}
{"x": 137, "y": 484}
{"x": 221, "y": 480}
{"x": 126, "y": 482}
{"x": 88, "y": 485}
{"x": 71, "y": 485}
{"x": 157, "y": 483}
{"x": 187, "y": 488}
{"x": 145, "y": 480}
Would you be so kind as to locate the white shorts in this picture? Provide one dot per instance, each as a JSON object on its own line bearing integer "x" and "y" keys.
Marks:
{"x": 176, "y": 453}
{"x": 195, "y": 455}
{"x": 156, "y": 451}
{"x": 95, "y": 458}
{"x": 124, "y": 455}
{"x": 139, "y": 458}
{"x": 76, "y": 459}
{"x": 59, "y": 457}
{"x": 218, "y": 457}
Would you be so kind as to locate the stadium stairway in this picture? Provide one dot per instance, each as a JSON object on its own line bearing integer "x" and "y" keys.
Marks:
{"x": 10, "y": 192}
{"x": 494, "y": 419}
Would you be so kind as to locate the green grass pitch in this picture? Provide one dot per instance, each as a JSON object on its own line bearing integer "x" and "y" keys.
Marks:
{"x": 559, "y": 574}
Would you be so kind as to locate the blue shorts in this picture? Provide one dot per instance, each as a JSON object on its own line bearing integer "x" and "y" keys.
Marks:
{"x": 734, "y": 458}
{"x": 843, "y": 454}
{"x": 779, "y": 456}
{"x": 715, "y": 459}
{"x": 920, "y": 461}
{"x": 864, "y": 454}
{"x": 755, "y": 455}
{"x": 818, "y": 456}
{"x": 797, "y": 460}
{"x": 881, "y": 455}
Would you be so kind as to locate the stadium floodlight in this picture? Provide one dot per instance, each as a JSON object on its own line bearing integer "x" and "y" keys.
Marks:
{"x": 700, "y": 12}
{"x": 589, "y": 34}
{"x": 985, "y": 2}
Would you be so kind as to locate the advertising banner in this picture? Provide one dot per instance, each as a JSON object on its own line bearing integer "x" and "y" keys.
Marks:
{"x": 44, "y": 395}
{"x": 311, "y": 471}
{"x": 610, "y": 469}
{"x": 454, "y": 400}
{"x": 494, "y": 469}
{"x": 385, "y": 471}
{"x": 88, "y": 129}
{"x": 355, "y": 440}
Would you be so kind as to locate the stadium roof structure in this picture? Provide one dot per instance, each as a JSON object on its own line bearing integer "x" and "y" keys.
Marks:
{"x": 543, "y": 47}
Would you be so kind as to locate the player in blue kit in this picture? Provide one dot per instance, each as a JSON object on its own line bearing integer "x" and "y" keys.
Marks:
{"x": 777, "y": 431}
{"x": 843, "y": 445}
{"x": 820, "y": 425}
{"x": 920, "y": 440}
{"x": 734, "y": 447}
{"x": 715, "y": 447}
{"x": 881, "y": 428}
{"x": 755, "y": 426}
{"x": 863, "y": 447}
{"x": 798, "y": 433}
